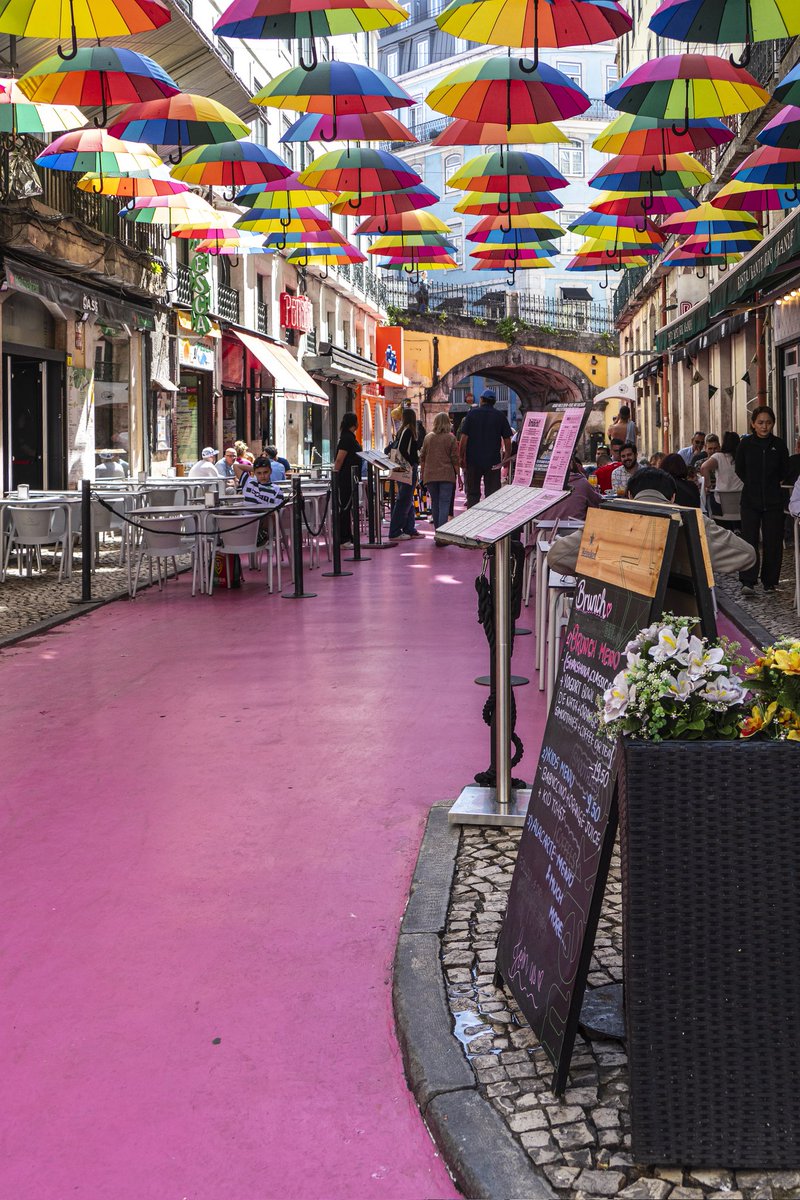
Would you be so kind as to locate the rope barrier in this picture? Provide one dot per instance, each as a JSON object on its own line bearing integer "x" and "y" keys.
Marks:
{"x": 198, "y": 533}
{"x": 316, "y": 532}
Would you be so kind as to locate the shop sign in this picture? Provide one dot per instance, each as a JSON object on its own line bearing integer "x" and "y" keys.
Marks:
{"x": 68, "y": 294}
{"x": 196, "y": 354}
{"x": 775, "y": 251}
{"x": 201, "y": 293}
{"x": 688, "y": 327}
{"x": 297, "y": 312}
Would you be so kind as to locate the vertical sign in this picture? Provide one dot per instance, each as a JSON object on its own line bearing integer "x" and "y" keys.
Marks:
{"x": 530, "y": 440}
{"x": 389, "y": 355}
{"x": 554, "y": 902}
{"x": 564, "y": 448}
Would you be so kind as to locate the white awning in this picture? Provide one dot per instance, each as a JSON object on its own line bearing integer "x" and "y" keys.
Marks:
{"x": 289, "y": 376}
{"x": 624, "y": 390}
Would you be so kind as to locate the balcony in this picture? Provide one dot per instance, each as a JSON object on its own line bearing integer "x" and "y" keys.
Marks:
{"x": 183, "y": 291}
{"x": 598, "y": 110}
{"x": 98, "y": 212}
{"x": 228, "y": 304}
{"x": 628, "y": 285}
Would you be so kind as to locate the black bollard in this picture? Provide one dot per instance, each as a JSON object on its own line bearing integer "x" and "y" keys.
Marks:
{"x": 335, "y": 530}
{"x": 355, "y": 517}
{"x": 371, "y": 506}
{"x": 297, "y": 544}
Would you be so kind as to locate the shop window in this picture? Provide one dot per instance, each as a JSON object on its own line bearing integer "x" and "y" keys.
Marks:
{"x": 111, "y": 394}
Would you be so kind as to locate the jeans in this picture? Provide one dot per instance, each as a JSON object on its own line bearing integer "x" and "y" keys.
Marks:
{"x": 769, "y": 523}
{"x": 472, "y": 482}
{"x": 441, "y": 498}
{"x": 402, "y": 518}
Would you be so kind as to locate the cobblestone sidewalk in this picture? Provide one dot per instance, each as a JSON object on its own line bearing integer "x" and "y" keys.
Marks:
{"x": 581, "y": 1143}
{"x": 774, "y": 610}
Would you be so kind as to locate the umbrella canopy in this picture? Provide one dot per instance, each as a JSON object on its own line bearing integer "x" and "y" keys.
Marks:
{"x": 682, "y": 258}
{"x": 735, "y": 243}
{"x": 97, "y": 76}
{"x": 751, "y": 197}
{"x": 359, "y": 169}
{"x": 157, "y": 182}
{"x": 631, "y": 204}
{"x": 514, "y": 236}
{"x": 330, "y": 255}
{"x": 783, "y": 129}
{"x": 170, "y": 211}
{"x": 265, "y": 19}
{"x": 620, "y": 235}
{"x": 771, "y": 165}
{"x": 18, "y": 114}
{"x": 601, "y": 258}
{"x": 500, "y": 203}
{"x": 535, "y": 23}
{"x": 726, "y": 20}
{"x": 232, "y": 246}
{"x": 282, "y": 193}
{"x": 87, "y": 19}
{"x": 97, "y": 151}
{"x": 305, "y": 237}
{"x": 683, "y": 86}
{"x": 628, "y": 173}
{"x": 354, "y": 127}
{"x": 788, "y": 90}
{"x": 630, "y": 133}
{"x": 392, "y": 243}
{"x": 532, "y": 225}
{"x": 708, "y": 219}
{"x": 591, "y": 222}
{"x": 292, "y": 220}
{"x": 418, "y": 253}
{"x": 595, "y": 245}
{"x": 334, "y": 87}
{"x": 503, "y": 91}
{"x": 387, "y": 203}
{"x": 585, "y": 263}
{"x": 414, "y": 221}
{"x": 481, "y": 133}
{"x": 182, "y": 120}
{"x": 514, "y": 171}
{"x": 409, "y": 267}
{"x": 214, "y": 226}
{"x": 232, "y": 165}
{"x": 517, "y": 249}
{"x": 511, "y": 264}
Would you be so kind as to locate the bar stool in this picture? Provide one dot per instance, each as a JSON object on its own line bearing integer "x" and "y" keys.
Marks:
{"x": 559, "y": 596}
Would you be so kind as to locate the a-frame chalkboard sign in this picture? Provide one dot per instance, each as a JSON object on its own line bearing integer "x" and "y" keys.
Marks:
{"x": 632, "y": 555}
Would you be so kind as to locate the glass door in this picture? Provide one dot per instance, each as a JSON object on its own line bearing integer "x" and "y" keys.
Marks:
{"x": 24, "y": 423}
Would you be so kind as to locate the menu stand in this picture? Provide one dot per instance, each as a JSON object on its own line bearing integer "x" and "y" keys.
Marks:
{"x": 376, "y": 462}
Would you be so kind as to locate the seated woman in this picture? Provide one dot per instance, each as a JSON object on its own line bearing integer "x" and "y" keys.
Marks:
{"x": 687, "y": 493}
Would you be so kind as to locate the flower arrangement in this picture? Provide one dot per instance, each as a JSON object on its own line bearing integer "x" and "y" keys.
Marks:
{"x": 775, "y": 677}
{"x": 675, "y": 685}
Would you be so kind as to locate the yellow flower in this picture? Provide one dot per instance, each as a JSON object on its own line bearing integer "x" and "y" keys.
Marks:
{"x": 793, "y": 735}
{"x": 788, "y": 661}
{"x": 758, "y": 720}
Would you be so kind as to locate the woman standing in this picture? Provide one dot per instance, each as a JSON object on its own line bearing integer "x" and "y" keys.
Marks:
{"x": 439, "y": 465}
{"x": 719, "y": 470}
{"x": 401, "y": 523}
{"x": 347, "y": 451}
{"x": 762, "y": 461}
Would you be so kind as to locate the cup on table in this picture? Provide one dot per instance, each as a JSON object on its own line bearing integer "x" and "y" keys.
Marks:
{"x": 23, "y": 491}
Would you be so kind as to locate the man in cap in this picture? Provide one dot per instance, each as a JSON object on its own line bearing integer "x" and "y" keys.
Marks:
{"x": 484, "y": 441}
{"x": 205, "y": 468}
{"x": 108, "y": 467}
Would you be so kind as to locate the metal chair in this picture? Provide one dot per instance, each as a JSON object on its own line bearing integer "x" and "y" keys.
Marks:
{"x": 163, "y": 538}
{"x": 236, "y": 534}
{"x": 30, "y": 530}
{"x": 731, "y": 505}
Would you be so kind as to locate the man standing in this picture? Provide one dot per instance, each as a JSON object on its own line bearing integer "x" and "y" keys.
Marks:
{"x": 628, "y": 465}
{"x": 484, "y": 440}
{"x": 696, "y": 447}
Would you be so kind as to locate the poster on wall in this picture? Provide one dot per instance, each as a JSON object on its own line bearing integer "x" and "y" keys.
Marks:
{"x": 389, "y": 355}
{"x": 186, "y": 424}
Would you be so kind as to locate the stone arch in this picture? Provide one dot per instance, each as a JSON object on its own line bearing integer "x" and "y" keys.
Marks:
{"x": 538, "y": 377}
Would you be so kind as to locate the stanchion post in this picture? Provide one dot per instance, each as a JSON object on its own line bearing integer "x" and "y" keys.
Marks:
{"x": 297, "y": 543}
{"x": 355, "y": 513}
{"x": 335, "y": 530}
{"x": 375, "y": 488}
{"x": 87, "y": 541}
{"x": 502, "y": 654}
{"x": 371, "y": 501}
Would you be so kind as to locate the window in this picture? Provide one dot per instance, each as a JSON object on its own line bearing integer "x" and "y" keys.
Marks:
{"x": 225, "y": 52}
{"x": 258, "y": 131}
{"x": 572, "y": 70}
{"x": 569, "y": 243}
{"x": 224, "y": 267}
{"x": 391, "y": 63}
{"x": 570, "y": 158}
{"x": 456, "y": 236}
{"x": 421, "y": 52}
{"x": 612, "y": 76}
{"x": 452, "y": 163}
{"x": 419, "y": 167}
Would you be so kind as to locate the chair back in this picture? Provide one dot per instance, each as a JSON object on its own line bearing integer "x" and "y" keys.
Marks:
{"x": 730, "y": 503}
{"x": 238, "y": 534}
{"x": 34, "y": 523}
{"x": 162, "y": 537}
{"x": 165, "y": 497}
{"x": 101, "y": 518}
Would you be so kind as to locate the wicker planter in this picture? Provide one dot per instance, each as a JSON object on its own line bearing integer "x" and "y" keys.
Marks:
{"x": 710, "y": 840}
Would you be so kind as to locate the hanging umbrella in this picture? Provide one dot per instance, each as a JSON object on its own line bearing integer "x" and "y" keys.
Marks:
{"x": 331, "y": 255}
{"x": 679, "y": 258}
{"x": 19, "y": 115}
{"x": 527, "y": 227}
{"x": 158, "y": 182}
{"x": 591, "y": 221}
{"x": 300, "y": 19}
{"x": 359, "y": 170}
{"x": 682, "y": 86}
{"x": 355, "y": 127}
{"x": 169, "y": 211}
{"x": 771, "y": 165}
{"x": 783, "y": 129}
{"x": 336, "y": 88}
{"x": 96, "y": 151}
{"x": 486, "y": 203}
{"x": 583, "y": 263}
{"x": 735, "y": 243}
{"x": 727, "y": 21}
{"x": 81, "y": 19}
{"x": 182, "y": 120}
{"x": 282, "y": 193}
{"x": 708, "y": 219}
{"x": 499, "y": 238}
{"x": 511, "y": 264}
{"x": 788, "y": 90}
{"x": 232, "y": 165}
{"x": 417, "y": 270}
{"x": 308, "y": 237}
{"x": 751, "y": 197}
{"x": 514, "y": 171}
{"x": 600, "y": 258}
{"x": 232, "y": 246}
{"x": 629, "y": 173}
{"x": 386, "y": 205}
{"x": 502, "y": 91}
{"x": 535, "y": 23}
{"x": 630, "y": 204}
{"x": 289, "y": 219}
{"x": 631, "y": 133}
{"x": 481, "y": 133}
{"x": 622, "y": 235}
{"x": 97, "y": 76}
{"x": 413, "y": 221}
{"x": 215, "y": 226}
{"x": 596, "y": 245}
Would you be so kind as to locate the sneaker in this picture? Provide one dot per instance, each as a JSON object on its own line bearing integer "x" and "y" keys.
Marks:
{"x": 770, "y": 587}
{"x": 748, "y": 589}
{"x": 401, "y": 537}
{"x": 345, "y": 545}
{"x": 416, "y": 533}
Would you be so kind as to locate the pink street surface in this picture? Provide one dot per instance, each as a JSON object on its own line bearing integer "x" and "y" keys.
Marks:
{"x": 213, "y": 808}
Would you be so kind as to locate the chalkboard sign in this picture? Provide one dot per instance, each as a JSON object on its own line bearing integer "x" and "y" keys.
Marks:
{"x": 555, "y": 897}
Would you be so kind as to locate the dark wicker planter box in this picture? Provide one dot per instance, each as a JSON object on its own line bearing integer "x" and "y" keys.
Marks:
{"x": 710, "y": 841}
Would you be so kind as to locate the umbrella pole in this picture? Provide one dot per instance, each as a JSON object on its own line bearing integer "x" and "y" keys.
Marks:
{"x": 334, "y": 128}
{"x": 176, "y": 158}
{"x": 681, "y": 131}
{"x": 604, "y": 286}
{"x": 73, "y": 50}
{"x": 745, "y": 57}
{"x": 100, "y": 122}
{"x": 530, "y": 70}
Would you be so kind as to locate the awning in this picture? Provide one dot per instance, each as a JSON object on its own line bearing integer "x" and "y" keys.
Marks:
{"x": 289, "y": 376}
{"x": 710, "y": 337}
{"x": 774, "y": 256}
{"x": 71, "y": 294}
{"x": 685, "y": 328}
{"x": 624, "y": 390}
{"x": 338, "y": 363}
{"x": 576, "y": 293}
{"x": 648, "y": 370}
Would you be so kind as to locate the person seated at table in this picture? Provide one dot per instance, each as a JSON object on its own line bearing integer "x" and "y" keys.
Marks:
{"x": 108, "y": 467}
{"x": 582, "y": 495}
{"x": 794, "y": 499}
{"x": 278, "y": 469}
{"x": 225, "y": 464}
{"x": 272, "y": 451}
{"x": 729, "y": 552}
{"x": 258, "y": 487}
{"x": 686, "y": 490}
{"x": 205, "y": 467}
{"x": 655, "y": 460}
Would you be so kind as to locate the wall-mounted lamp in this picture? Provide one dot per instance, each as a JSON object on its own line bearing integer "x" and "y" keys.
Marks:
{"x": 593, "y": 360}
{"x": 82, "y": 319}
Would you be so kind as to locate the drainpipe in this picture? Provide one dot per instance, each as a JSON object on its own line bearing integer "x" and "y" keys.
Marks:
{"x": 665, "y": 413}
{"x": 761, "y": 358}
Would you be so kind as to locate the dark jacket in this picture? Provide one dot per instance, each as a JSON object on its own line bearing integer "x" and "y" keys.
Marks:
{"x": 762, "y": 464}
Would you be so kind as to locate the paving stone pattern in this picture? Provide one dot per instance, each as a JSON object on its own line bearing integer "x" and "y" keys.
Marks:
{"x": 582, "y": 1141}
{"x": 774, "y": 610}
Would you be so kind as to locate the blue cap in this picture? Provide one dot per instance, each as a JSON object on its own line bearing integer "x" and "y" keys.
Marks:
{"x": 488, "y": 394}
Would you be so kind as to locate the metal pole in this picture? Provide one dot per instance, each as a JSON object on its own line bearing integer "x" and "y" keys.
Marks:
{"x": 335, "y": 530}
{"x": 502, "y": 711}
{"x": 87, "y": 541}
{"x": 355, "y": 513}
{"x": 371, "y": 507}
{"x": 374, "y": 490}
{"x": 297, "y": 543}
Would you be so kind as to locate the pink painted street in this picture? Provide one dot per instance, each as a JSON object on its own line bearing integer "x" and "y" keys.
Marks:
{"x": 212, "y": 812}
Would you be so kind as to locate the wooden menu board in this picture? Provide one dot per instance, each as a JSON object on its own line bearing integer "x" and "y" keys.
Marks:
{"x": 556, "y": 893}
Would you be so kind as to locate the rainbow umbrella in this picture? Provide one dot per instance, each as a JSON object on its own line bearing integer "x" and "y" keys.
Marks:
{"x": 595, "y": 245}
{"x": 679, "y": 87}
{"x": 336, "y": 88}
{"x": 583, "y": 264}
{"x": 750, "y": 197}
{"x": 19, "y": 115}
{"x": 386, "y": 205}
{"x": 214, "y": 226}
{"x": 631, "y": 204}
{"x": 413, "y": 221}
{"x": 96, "y": 151}
{"x": 282, "y": 193}
{"x": 783, "y": 129}
{"x": 97, "y": 76}
{"x": 170, "y": 211}
{"x": 360, "y": 170}
{"x": 620, "y": 235}
{"x": 680, "y": 258}
{"x": 514, "y": 250}
{"x": 591, "y": 221}
{"x": 158, "y": 182}
{"x": 629, "y": 173}
{"x": 182, "y": 120}
{"x": 512, "y": 237}
{"x": 511, "y": 264}
{"x": 710, "y": 220}
{"x": 232, "y": 246}
{"x": 481, "y": 133}
{"x": 504, "y": 91}
{"x": 409, "y": 267}
{"x": 535, "y": 23}
{"x": 355, "y": 127}
{"x": 788, "y": 90}
{"x": 771, "y": 165}
{"x": 290, "y": 219}
{"x": 289, "y": 19}
{"x": 232, "y": 165}
{"x": 735, "y": 243}
{"x": 329, "y": 255}
{"x": 527, "y": 227}
{"x": 601, "y": 258}
{"x": 500, "y": 203}
{"x": 81, "y": 19}
{"x": 630, "y": 133}
{"x": 727, "y": 21}
{"x": 308, "y": 237}
{"x": 514, "y": 171}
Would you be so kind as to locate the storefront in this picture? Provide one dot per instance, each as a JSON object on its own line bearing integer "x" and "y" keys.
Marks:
{"x": 34, "y": 411}
{"x": 786, "y": 332}
{"x": 193, "y": 423}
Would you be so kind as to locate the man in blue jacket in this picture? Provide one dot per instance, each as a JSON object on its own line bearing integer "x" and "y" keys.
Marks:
{"x": 484, "y": 441}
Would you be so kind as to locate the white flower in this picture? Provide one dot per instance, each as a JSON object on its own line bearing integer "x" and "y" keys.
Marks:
{"x": 700, "y": 659}
{"x": 678, "y": 686}
{"x": 724, "y": 690}
{"x": 617, "y": 698}
{"x": 634, "y": 660}
{"x": 670, "y": 645}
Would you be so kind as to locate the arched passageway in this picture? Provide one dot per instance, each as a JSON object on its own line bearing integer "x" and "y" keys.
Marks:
{"x": 539, "y": 378}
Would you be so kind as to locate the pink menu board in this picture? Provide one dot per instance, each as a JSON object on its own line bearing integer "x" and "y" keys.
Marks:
{"x": 530, "y": 439}
{"x": 564, "y": 448}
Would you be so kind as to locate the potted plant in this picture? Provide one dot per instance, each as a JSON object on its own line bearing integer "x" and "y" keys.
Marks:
{"x": 709, "y": 784}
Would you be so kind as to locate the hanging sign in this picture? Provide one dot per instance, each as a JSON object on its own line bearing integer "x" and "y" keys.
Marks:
{"x": 297, "y": 312}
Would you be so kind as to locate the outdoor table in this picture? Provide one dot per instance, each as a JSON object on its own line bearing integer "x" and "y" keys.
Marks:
{"x": 43, "y": 500}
